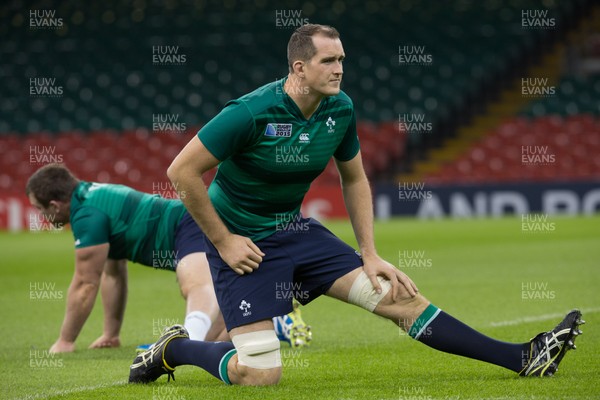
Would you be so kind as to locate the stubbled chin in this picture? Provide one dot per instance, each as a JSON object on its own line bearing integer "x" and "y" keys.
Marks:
{"x": 332, "y": 91}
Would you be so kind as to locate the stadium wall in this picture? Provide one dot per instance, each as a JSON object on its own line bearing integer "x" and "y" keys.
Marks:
{"x": 495, "y": 200}
{"x": 405, "y": 199}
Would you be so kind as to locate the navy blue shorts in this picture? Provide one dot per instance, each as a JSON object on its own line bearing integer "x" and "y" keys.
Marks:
{"x": 300, "y": 264}
{"x": 189, "y": 238}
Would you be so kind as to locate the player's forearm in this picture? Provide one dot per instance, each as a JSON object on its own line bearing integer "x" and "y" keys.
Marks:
{"x": 80, "y": 301}
{"x": 359, "y": 203}
{"x": 194, "y": 195}
{"x": 114, "y": 300}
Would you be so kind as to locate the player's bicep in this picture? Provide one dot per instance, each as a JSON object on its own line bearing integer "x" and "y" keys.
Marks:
{"x": 89, "y": 263}
{"x": 352, "y": 170}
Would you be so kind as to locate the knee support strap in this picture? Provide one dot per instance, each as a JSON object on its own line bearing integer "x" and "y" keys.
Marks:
{"x": 363, "y": 294}
{"x": 258, "y": 350}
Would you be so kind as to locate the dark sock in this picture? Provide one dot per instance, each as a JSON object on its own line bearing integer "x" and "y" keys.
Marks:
{"x": 443, "y": 332}
{"x": 210, "y": 356}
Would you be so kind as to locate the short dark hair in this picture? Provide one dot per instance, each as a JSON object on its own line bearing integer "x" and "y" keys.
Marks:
{"x": 51, "y": 182}
{"x": 301, "y": 46}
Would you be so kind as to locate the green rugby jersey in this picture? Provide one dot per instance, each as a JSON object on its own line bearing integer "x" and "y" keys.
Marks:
{"x": 270, "y": 154}
{"x": 138, "y": 226}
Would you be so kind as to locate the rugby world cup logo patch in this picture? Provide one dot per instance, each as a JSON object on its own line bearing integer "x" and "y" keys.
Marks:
{"x": 278, "y": 130}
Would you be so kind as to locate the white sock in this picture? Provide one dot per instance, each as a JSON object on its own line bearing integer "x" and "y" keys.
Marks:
{"x": 197, "y": 324}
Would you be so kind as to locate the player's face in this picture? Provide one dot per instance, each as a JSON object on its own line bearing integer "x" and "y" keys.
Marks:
{"x": 54, "y": 213}
{"x": 324, "y": 71}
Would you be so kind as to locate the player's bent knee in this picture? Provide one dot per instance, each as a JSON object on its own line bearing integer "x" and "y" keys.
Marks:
{"x": 363, "y": 294}
{"x": 259, "y": 350}
{"x": 260, "y": 353}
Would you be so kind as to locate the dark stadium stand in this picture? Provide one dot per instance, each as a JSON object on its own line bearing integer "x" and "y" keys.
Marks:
{"x": 112, "y": 87}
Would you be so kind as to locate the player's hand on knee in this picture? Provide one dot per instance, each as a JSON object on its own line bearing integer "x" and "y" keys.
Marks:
{"x": 105, "y": 341}
{"x": 375, "y": 266}
{"x": 240, "y": 253}
{"x": 408, "y": 283}
{"x": 61, "y": 346}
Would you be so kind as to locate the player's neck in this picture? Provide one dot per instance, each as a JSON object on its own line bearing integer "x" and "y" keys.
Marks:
{"x": 306, "y": 100}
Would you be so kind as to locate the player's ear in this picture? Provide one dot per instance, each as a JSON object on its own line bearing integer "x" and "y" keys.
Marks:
{"x": 299, "y": 68}
{"x": 54, "y": 205}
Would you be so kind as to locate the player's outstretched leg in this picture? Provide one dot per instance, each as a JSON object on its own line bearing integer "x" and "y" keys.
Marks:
{"x": 428, "y": 324}
{"x": 547, "y": 349}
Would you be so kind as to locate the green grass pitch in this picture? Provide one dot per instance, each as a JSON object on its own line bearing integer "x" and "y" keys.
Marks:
{"x": 505, "y": 282}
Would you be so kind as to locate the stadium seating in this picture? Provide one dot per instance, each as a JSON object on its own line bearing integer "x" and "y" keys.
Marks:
{"x": 572, "y": 144}
{"x": 140, "y": 158}
{"x": 103, "y": 60}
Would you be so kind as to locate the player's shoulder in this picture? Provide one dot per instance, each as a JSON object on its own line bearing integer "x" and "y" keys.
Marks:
{"x": 89, "y": 190}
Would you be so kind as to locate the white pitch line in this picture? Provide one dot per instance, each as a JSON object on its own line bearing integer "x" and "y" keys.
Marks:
{"x": 543, "y": 317}
{"x": 76, "y": 389}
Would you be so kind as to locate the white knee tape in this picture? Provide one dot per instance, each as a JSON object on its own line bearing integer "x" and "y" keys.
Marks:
{"x": 363, "y": 294}
{"x": 258, "y": 350}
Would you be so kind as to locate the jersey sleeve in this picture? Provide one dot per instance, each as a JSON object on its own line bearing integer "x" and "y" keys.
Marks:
{"x": 90, "y": 227}
{"x": 228, "y": 132}
{"x": 349, "y": 146}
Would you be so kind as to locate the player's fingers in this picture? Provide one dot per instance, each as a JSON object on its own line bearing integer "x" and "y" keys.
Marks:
{"x": 245, "y": 268}
{"x": 395, "y": 284}
{"x": 238, "y": 270}
{"x": 414, "y": 285}
{"x": 249, "y": 265}
{"x": 255, "y": 249}
{"x": 253, "y": 259}
{"x": 375, "y": 283}
{"x": 407, "y": 283}
{"x": 250, "y": 261}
